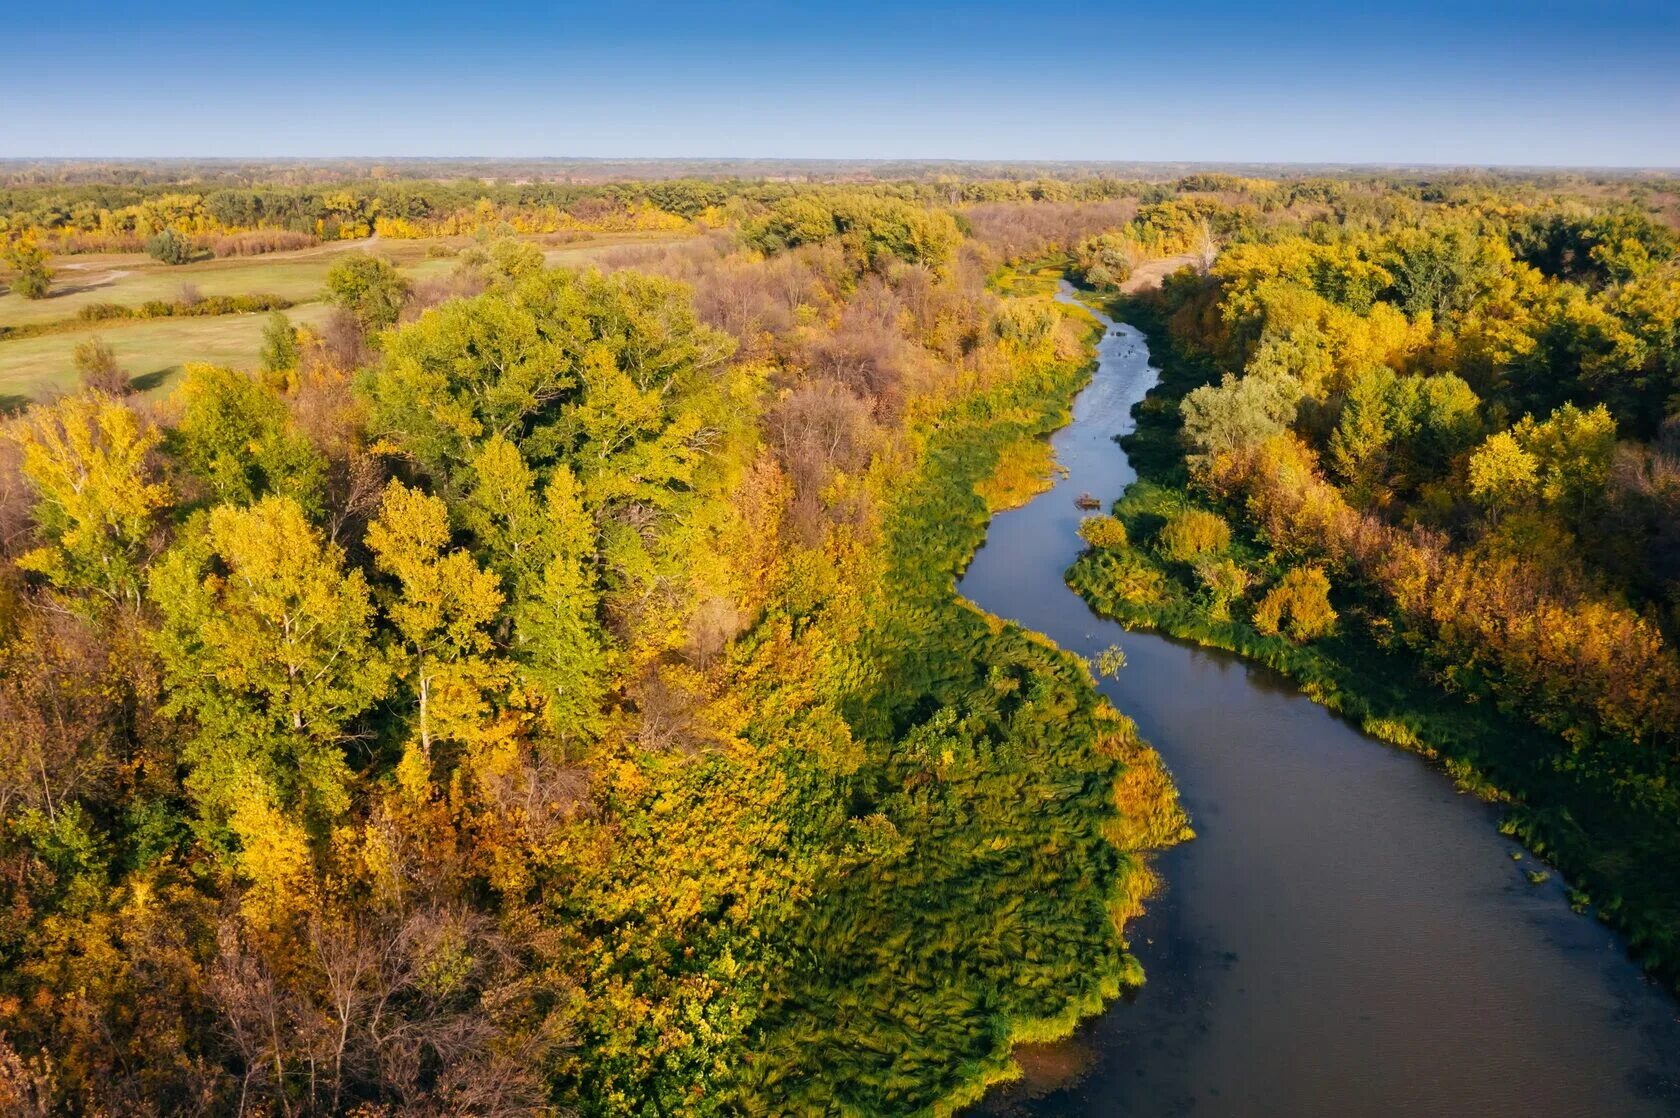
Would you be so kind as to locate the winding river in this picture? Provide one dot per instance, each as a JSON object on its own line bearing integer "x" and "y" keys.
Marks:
{"x": 1347, "y": 935}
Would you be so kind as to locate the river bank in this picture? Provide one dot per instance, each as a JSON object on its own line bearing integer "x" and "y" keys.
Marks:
{"x": 1348, "y": 933}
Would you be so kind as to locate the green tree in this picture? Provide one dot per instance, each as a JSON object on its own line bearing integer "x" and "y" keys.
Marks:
{"x": 565, "y": 364}
{"x": 369, "y": 288}
{"x": 1240, "y": 412}
{"x": 546, "y": 552}
{"x": 267, "y": 648}
{"x": 236, "y": 435}
{"x": 279, "y": 344}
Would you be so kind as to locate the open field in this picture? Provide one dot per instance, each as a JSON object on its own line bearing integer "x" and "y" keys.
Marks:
{"x": 152, "y": 349}
{"x": 149, "y": 351}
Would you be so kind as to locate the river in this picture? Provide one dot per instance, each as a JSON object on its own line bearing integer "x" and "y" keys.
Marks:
{"x": 1347, "y": 935}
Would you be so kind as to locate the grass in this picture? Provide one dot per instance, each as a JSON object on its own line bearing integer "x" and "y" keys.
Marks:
{"x": 153, "y": 350}
{"x": 1609, "y": 831}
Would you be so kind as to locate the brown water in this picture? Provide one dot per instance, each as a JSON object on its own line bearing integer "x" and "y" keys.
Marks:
{"x": 1347, "y": 935}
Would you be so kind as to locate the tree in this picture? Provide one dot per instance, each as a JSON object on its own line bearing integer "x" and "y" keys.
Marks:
{"x": 514, "y": 259}
{"x": 169, "y": 247}
{"x": 369, "y": 288}
{"x": 31, "y": 277}
{"x": 87, "y": 458}
{"x": 1104, "y": 533}
{"x": 564, "y": 364}
{"x": 1240, "y": 412}
{"x": 267, "y": 648}
{"x": 546, "y": 553}
{"x": 1502, "y": 473}
{"x": 279, "y": 344}
{"x": 235, "y": 434}
{"x": 1573, "y": 449}
{"x": 442, "y": 609}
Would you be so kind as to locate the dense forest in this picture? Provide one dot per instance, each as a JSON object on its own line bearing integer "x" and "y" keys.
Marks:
{"x": 1425, "y": 458}
{"x": 546, "y": 690}
{"x": 542, "y": 689}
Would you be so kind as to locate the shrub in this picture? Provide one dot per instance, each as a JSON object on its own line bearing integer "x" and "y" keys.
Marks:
{"x": 31, "y": 277}
{"x": 1104, "y": 533}
{"x": 169, "y": 247}
{"x": 1193, "y": 533}
{"x": 101, "y": 312}
{"x": 96, "y": 367}
{"x": 260, "y": 241}
{"x": 1223, "y": 581}
{"x": 1300, "y": 603}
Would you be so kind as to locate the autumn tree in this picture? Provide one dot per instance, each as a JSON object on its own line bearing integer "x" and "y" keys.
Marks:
{"x": 236, "y": 435}
{"x": 1298, "y": 604}
{"x": 442, "y": 608}
{"x": 268, "y": 651}
{"x": 31, "y": 277}
{"x": 88, "y": 459}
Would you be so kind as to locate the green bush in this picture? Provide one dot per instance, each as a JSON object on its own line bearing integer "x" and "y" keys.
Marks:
{"x": 169, "y": 247}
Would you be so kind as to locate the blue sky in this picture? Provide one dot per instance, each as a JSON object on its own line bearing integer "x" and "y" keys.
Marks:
{"x": 1513, "y": 81}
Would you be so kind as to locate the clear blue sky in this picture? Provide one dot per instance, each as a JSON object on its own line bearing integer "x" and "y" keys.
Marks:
{"x": 1512, "y": 81}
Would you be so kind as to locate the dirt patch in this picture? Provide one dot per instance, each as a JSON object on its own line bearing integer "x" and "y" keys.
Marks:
{"x": 1148, "y": 275}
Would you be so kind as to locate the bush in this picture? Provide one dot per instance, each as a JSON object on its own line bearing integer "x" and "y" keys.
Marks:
{"x": 1300, "y": 603}
{"x": 1193, "y": 533}
{"x": 1223, "y": 581}
{"x": 260, "y": 241}
{"x": 31, "y": 278}
{"x": 96, "y": 367}
{"x": 169, "y": 247}
{"x": 1103, "y": 533}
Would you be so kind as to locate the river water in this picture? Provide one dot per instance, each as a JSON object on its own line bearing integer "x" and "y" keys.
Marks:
{"x": 1347, "y": 935}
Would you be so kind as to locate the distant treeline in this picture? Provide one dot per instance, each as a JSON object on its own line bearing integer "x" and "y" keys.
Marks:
{"x": 105, "y": 216}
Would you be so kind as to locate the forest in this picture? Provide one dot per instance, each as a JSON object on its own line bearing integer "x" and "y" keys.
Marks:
{"x": 543, "y": 690}
{"x": 1424, "y": 457}
{"x": 534, "y": 688}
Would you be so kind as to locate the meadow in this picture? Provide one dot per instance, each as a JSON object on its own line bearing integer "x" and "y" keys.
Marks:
{"x": 153, "y": 350}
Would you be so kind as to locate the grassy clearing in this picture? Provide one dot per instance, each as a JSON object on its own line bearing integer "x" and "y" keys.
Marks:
{"x": 150, "y": 351}
{"x": 154, "y": 349}
{"x": 1612, "y": 840}
{"x": 133, "y": 278}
